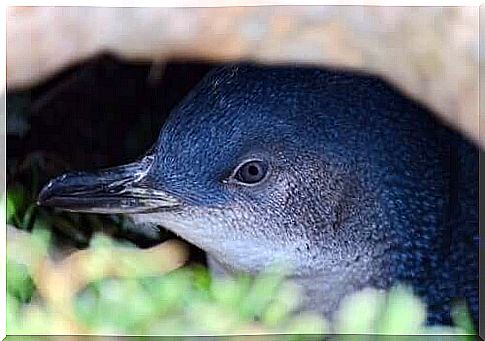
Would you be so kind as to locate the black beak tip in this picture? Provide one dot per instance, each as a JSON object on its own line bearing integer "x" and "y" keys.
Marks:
{"x": 64, "y": 186}
{"x": 45, "y": 194}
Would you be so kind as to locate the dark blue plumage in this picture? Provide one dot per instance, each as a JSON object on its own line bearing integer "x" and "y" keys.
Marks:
{"x": 335, "y": 173}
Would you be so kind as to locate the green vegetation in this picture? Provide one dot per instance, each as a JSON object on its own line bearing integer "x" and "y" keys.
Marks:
{"x": 43, "y": 297}
{"x": 114, "y": 288}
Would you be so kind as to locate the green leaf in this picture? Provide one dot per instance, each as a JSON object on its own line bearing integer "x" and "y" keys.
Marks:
{"x": 462, "y": 318}
{"x": 262, "y": 292}
{"x": 11, "y": 209}
{"x": 19, "y": 282}
{"x": 202, "y": 279}
{"x": 307, "y": 323}
{"x": 28, "y": 216}
{"x": 15, "y": 205}
{"x": 359, "y": 311}
{"x": 12, "y": 314}
{"x": 404, "y": 313}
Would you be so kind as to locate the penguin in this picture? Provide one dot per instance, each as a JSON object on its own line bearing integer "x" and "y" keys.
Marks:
{"x": 336, "y": 174}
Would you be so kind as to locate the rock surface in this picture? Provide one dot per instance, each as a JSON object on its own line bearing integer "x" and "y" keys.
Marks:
{"x": 430, "y": 52}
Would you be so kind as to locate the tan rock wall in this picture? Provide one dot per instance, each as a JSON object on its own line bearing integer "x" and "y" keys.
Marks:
{"x": 430, "y": 52}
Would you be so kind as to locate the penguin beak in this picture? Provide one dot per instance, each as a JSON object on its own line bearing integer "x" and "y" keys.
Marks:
{"x": 123, "y": 189}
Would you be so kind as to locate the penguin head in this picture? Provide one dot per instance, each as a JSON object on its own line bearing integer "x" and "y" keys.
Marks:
{"x": 255, "y": 167}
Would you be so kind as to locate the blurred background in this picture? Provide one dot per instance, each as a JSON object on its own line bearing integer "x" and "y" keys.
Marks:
{"x": 430, "y": 52}
{"x": 90, "y": 87}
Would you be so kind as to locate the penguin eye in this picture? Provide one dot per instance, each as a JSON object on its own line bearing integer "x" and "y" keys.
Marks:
{"x": 251, "y": 172}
